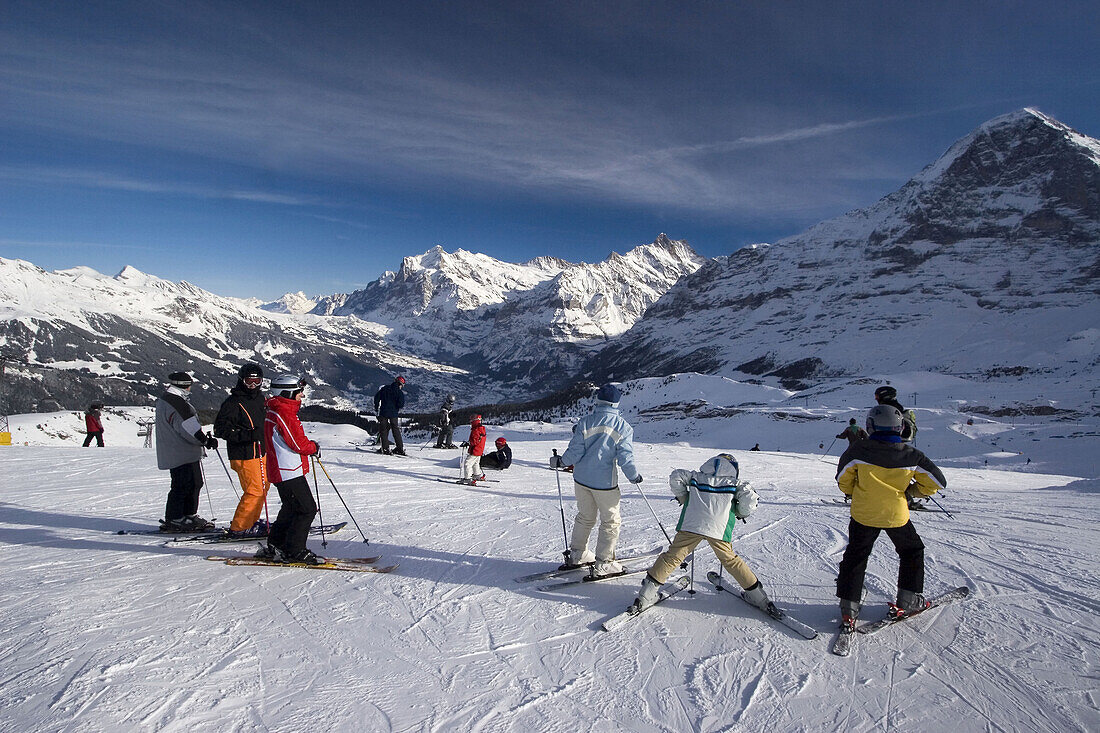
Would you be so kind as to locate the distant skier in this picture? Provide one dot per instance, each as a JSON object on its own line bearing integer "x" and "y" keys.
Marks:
{"x": 288, "y": 451}
{"x": 713, "y": 499}
{"x": 876, "y": 474}
{"x": 388, "y": 402}
{"x": 499, "y": 459}
{"x": 755, "y": 447}
{"x": 446, "y": 428}
{"x": 600, "y": 440}
{"x": 475, "y": 446}
{"x": 854, "y": 433}
{"x": 93, "y": 424}
{"x": 180, "y": 443}
{"x": 887, "y": 395}
{"x": 240, "y": 423}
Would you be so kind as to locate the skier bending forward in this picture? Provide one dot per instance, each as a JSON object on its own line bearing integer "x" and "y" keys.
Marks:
{"x": 713, "y": 499}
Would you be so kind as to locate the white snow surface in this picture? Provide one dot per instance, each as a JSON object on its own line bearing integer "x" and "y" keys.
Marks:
{"x": 110, "y": 632}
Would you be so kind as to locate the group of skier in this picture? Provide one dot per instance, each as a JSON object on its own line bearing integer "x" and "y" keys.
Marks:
{"x": 879, "y": 471}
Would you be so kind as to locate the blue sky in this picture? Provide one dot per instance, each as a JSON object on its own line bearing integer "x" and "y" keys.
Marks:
{"x": 255, "y": 148}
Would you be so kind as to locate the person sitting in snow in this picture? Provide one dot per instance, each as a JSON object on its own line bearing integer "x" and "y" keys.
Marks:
{"x": 878, "y": 474}
{"x": 713, "y": 499}
{"x": 600, "y": 440}
{"x": 499, "y": 459}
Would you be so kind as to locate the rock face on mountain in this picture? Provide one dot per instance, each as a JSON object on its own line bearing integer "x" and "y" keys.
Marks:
{"x": 535, "y": 320}
{"x": 987, "y": 261}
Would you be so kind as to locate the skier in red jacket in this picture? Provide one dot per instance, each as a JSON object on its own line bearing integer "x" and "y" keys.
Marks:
{"x": 475, "y": 446}
{"x": 93, "y": 424}
{"x": 288, "y": 452}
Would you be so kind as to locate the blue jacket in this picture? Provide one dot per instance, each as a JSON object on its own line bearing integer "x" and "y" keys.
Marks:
{"x": 600, "y": 440}
{"x": 389, "y": 400}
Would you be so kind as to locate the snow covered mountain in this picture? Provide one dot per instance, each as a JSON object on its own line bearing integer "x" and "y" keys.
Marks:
{"x": 77, "y": 335}
{"x": 988, "y": 261}
{"x": 498, "y": 318}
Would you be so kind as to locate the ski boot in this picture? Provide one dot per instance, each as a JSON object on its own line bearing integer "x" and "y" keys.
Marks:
{"x": 849, "y": 612}
{"x": 271, "y": 553}
{"x": 606, "y": 567}
{"x": 755, "y": 596}
{"x": 582, "y": 558}
{"x": 399, "y": 452}
{"x": 908, "y": 604}
{"x": 647, "y": 596}
{"x": 306, "y": 557}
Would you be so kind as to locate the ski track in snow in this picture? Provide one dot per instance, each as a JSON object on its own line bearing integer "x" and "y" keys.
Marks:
{"x": 120, "y": 632}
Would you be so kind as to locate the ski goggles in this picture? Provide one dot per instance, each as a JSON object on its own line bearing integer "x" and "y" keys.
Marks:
{"x": 253, "y": 382}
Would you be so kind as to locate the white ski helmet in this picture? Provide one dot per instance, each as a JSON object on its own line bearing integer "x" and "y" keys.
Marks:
{"x": 287, "y": 385}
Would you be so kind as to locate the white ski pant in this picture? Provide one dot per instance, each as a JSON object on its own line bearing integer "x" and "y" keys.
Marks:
{"x": 591, "y": 503}
{"x": 471, "y": 466}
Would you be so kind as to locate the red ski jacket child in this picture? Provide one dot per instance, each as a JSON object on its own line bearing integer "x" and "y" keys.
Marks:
{"x": 288, "y": 448}
{"x": 477, "y": 436}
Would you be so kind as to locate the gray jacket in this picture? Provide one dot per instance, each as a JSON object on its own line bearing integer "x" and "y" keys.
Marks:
{"x": 179, "y": 435}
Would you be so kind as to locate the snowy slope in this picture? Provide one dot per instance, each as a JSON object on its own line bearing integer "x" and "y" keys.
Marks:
{"x": 109, "y": 632}
{"x": 988, "y": 261}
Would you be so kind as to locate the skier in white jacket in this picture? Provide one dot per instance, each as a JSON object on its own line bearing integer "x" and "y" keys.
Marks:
{"x": 602, "y": 443}
{"x": 713, "y": 499}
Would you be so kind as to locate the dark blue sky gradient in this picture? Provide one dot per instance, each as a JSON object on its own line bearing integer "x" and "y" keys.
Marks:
{"x": 258, "y": 147}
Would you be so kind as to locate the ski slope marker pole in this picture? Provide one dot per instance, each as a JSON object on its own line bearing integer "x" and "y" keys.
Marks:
{"x": 341, "y": 499}
{"x": 561, "y": 506}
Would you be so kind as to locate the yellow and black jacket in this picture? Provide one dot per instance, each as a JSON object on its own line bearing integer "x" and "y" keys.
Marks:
{"x": 877, "y": 471}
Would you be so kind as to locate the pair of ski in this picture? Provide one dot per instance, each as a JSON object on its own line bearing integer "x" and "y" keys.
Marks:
{"x": 348, "y": 565}
{"x": 842, "y": 646}
{"x": 670, "y": 589}
{"x": 222, "y": 536}
{"x": 468, "y": 482}
{"x": 566, "y": 571}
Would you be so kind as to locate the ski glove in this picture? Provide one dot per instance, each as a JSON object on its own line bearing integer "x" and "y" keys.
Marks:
{"x": 211, "y": 442}
{"x": 637, "y": 480}
{"x": 912, "y": 493}
{"x": 316, "y": 449}
{"x": 464, "y": 444}
{"x": 555, "y": 462}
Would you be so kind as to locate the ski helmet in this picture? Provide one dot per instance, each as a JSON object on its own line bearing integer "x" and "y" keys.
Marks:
{"x": 501, "y": 442}
{"x": 885, "y": 419}
{"x": 609, "y": 393}
{"x": 886, "y": 392}
{"x": 251, "y": 375}
{"x": 182, "y": 380}
{"x": 723, "y": 465}
{"x": 450, "y": 399}
{"x": 287, "y": 385}
{"x": 475, "y": 420}
{"x": 400, "y": 380}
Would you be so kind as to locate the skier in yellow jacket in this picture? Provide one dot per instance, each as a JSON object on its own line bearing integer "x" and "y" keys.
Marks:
{"x": 877, "y": 473}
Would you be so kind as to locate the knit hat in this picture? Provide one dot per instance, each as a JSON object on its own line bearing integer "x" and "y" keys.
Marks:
{"x": 182, "y": 380}
{"x": 609, "y": 393}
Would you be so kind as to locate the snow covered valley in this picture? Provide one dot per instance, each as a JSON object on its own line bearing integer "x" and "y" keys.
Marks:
{"x": 123, "y": 632}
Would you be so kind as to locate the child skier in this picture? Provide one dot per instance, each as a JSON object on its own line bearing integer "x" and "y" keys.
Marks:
{"x": 499, "y": 459}
{"x": 876, "y": 473}
{"x": 713, "y": 499}
{"x": 475, "y": 446}
{"x": 288, "y": 452}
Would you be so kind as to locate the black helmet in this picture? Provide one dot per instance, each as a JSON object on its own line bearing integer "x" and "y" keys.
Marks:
{"x": 251, "y": 370}
{"x": 450, "y": 399}
{"x": 885, "y": 392}
{"x": 182, "y": 380}
{"x": 885, "y": 419}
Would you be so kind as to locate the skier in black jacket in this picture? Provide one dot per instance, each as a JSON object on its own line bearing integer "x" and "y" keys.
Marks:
{"x": 388, "y": 402}
{"x": 240, "y": 423}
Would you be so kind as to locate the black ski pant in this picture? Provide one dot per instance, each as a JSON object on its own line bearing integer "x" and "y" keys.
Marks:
{"x": 291, "y": 527}
{"x": 861, "y": 539}
{"x": 386, "y": 424}
{"x": 183, "y": 497}
{"x": 489, "y": 460}
{"x": 446, "y": 436}
{"x": 97, "y": 435}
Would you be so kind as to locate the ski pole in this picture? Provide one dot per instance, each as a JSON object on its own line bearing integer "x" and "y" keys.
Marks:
{"x": 829, "y": 448}
{"x": 949, "y": 515}
{"x": 317, "y": 493}
{"x": 639, "y": 487}
{"x": 210, "y": 503}
{"x": 318, "y": 460}
{"x": 231, "y": 484}
{"x": 561, "y": 506}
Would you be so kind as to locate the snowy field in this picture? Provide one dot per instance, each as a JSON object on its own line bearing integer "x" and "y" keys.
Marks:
{"x": 108, "y": 632}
